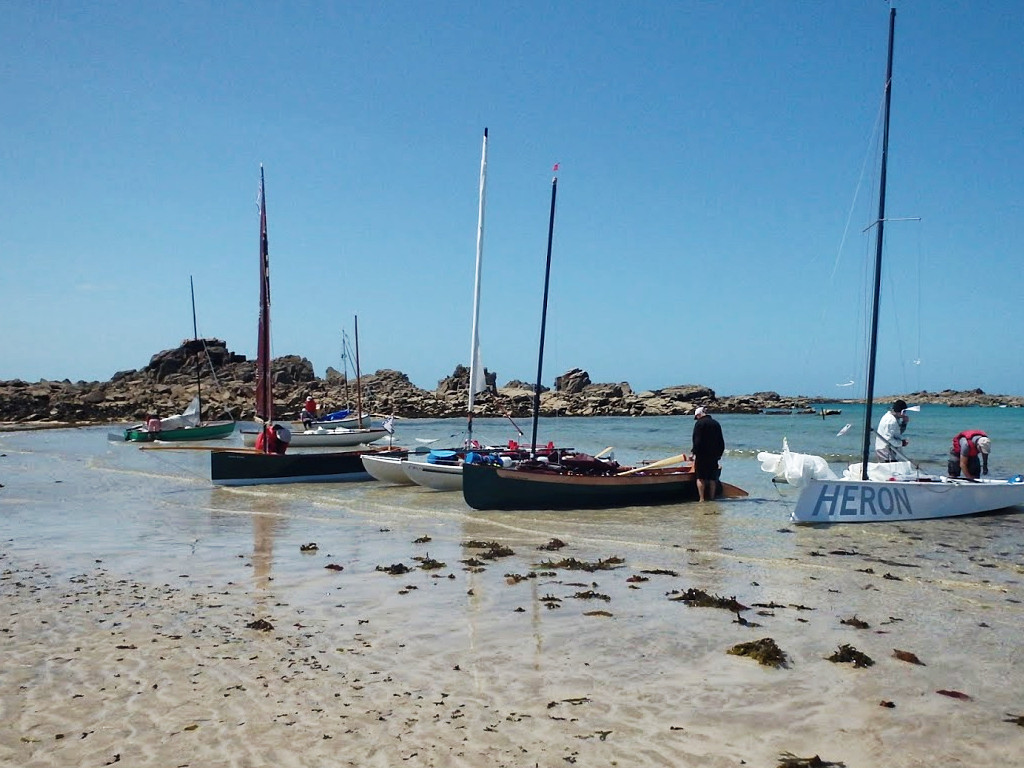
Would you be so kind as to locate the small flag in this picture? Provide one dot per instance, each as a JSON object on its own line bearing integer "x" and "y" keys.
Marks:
{"x": 389, "y": 425}
{"x": 555, "y": 169}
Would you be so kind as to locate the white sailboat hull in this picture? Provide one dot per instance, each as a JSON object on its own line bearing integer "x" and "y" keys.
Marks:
{"x": 440, "y": 477}
{"x": 325, "y": 437}
{"x": 387, "y": 469}
{"x": 872, "y": 501}
{"x": 349, "y": 422}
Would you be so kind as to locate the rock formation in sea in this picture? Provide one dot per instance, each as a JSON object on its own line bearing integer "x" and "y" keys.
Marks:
{"x": 168, "y": 382}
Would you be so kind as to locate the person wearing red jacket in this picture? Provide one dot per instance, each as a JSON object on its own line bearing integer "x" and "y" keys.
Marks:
{"x": 266, "y": 440}
{"x": 968, "y": 457}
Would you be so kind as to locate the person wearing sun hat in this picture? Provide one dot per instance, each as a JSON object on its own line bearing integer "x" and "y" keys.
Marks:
{"x": 708, "y": 447}
{"x": 889, "y": 435}
{"x": 968, "y": 458}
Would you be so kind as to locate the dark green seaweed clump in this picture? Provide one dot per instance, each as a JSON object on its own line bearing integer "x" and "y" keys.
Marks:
{"x": 428, "y": 563}
{"x": 764, "y": 651}
{"x": 552, "y": 546}
{"x": 395, "y": 569}
{"x": 492, "y": 549}
{"x": 591, "y": 595}
{"x": 847, "y": 653}
{"x": 698, "y": 598}
{"x": 789, "y": 760}
{"x": 572, "y": 564}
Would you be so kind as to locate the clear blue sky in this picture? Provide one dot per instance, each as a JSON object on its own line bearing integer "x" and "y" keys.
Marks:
{"x": 714, "y": 156}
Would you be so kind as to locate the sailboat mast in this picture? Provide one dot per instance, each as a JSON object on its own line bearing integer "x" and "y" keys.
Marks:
{"x": 543, "y": 319}
{"x": 264, "y": 395}
{"x": 195, "y": 335}
{"x": 869, "y": 396}
{"x": 476, "y": 383}
{"x": 344, "y": 366}
{"x": 359, "y": 386}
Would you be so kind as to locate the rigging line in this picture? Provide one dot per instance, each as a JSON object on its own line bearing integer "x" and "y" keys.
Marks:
{"x": 213, "y": 371}
{"x": 869, "y": 154}
{"x": 917, "y": 358}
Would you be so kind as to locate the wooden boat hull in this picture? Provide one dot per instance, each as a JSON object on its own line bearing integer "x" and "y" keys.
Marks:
{"x": 488, "y": 487}
{"x": 213, "y": 431}
{"x": 251, "y": 468}
{"x": 871, "y": 501}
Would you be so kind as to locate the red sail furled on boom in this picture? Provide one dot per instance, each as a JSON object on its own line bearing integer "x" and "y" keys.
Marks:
{"x": 264, "y": 394}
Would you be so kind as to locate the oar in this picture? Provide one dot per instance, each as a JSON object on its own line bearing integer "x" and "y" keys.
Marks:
{"x": 210, "y": 448}
{"x": 606, "y": 450}
{"x": 657, "y": 464}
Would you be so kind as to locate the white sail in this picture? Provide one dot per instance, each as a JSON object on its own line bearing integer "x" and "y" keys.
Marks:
{"x": 477, "y": 381}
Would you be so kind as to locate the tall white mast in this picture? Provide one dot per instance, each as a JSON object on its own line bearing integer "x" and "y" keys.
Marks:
{"x": 477, "y": 381}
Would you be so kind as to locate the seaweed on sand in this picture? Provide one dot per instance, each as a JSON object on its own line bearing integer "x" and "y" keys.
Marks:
{"x": 698, "y": 598}
{"x": 572, "y": 564}
{"x": 764, "y": 651}
{"x": 591, "y": 595}
{"x": 553, "y": 545}
{"x": 789, "y": 760}
{"x": 395, "y": 569}
{"x": 847, "y": 653}
{"x": 493, "y": 549}
{"x": 427, "y": 563}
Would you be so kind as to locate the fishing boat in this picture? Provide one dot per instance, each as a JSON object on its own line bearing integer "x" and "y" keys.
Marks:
{"x": 258, "y": 466}
{"x": 897, "y": 491}
{"x": 188, "y": 426}
{"x": 566, "y": 479}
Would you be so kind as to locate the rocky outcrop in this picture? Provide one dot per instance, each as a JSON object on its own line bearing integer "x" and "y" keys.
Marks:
{"x": 168, "y": 382}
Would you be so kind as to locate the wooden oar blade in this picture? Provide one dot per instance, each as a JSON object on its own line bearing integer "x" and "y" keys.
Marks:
{"x": 657, "y": 464}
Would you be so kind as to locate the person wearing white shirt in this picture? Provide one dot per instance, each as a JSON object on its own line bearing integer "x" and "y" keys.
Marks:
{"x": 889, "y": 435}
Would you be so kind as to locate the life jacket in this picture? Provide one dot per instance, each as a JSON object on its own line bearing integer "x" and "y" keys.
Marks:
{"x": 266, "y": 441}
{"x": 971, "y": 436}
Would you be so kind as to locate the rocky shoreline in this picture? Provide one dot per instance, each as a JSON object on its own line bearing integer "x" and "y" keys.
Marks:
{"x": 168, "y": 383}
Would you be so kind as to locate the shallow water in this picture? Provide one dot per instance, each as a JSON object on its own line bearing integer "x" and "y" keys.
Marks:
{"x": 74, "y": 491}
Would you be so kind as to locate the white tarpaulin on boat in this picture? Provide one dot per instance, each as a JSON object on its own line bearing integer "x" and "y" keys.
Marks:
{"x": 893, "y": 470}
{"x": 190, "y": 418}
{"x": 795, "y": 468}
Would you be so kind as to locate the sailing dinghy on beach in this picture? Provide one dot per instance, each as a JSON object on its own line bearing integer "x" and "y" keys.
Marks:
{"x": 565, "y": 479}
{"x": 882, "y": 492}
{"x": 258, "y": 467}
{"x": 189, "y": 425}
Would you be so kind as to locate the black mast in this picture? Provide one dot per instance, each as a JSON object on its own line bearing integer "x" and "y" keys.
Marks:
{"x": 543, "y": 319}
{"x": 878, "y": 256}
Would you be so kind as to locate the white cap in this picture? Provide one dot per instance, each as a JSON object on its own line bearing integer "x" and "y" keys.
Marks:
{"x": 699, "y": 412}
{"x": 984, "y": 445}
